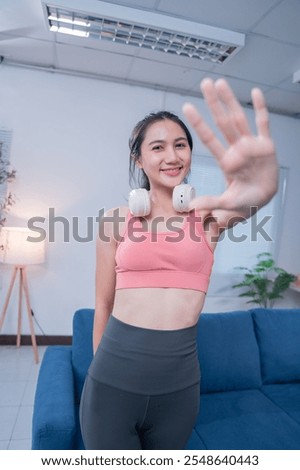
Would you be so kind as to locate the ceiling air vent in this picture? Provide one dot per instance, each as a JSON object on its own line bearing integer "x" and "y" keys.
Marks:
{"x": 99, "y": 20}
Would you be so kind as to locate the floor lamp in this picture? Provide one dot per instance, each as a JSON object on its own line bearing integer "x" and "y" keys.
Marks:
{"x": 18, "y": 251}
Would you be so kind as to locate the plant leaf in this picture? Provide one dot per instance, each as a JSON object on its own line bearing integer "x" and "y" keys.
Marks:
{"x": 264, "y": 254}
{"x": 249, "y": 293}
{"x": 266, "y": 264}
{"x": 282, "y": 282}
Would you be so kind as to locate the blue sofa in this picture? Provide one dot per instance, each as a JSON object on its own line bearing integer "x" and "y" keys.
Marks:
{"x": 250, "y": 385}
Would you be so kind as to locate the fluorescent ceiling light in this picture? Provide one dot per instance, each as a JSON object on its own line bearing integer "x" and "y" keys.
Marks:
{"x": 95, "y": 19}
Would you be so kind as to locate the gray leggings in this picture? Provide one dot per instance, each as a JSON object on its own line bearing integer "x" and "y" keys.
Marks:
{"x": 122, "y": 420}
{"x": 142, "y": 390}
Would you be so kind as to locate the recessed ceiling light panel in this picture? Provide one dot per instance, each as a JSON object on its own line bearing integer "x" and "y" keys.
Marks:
{"x": 103, "y": 21}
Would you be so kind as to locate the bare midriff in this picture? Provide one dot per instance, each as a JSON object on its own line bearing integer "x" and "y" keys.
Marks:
{"x": 158, "y": 308}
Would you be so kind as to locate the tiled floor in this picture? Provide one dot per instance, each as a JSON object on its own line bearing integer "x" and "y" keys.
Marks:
{"x": 18, "y": 376}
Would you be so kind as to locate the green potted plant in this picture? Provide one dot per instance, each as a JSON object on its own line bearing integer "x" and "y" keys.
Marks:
{"x": 264, "y": 283}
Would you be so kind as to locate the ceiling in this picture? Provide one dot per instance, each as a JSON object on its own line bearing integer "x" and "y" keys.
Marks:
{"x": 269, "y": 58}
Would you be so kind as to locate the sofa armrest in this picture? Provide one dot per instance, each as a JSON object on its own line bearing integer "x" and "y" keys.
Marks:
{"x": 54, "y": 423}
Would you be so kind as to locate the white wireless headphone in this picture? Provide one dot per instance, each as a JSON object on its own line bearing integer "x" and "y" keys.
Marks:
{"x": 140, "y": 206}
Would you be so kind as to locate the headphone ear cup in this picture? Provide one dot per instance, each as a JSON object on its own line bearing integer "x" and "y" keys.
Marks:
{"x": 140, "y": 206}
{"x": 182, "y": 196}
{"x": 139, "y": 202}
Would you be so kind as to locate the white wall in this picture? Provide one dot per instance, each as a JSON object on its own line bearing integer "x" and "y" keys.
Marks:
{"x": 70, "y": 150}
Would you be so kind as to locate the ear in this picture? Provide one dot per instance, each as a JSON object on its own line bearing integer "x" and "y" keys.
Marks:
{"x": 138, "y": 162}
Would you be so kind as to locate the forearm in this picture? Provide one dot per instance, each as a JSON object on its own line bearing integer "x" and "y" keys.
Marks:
{"x": 228, "y": 219}
{"x": 102, "y": 313}
{"x": 219, "y": 220}
{"x": 105, "y": 279}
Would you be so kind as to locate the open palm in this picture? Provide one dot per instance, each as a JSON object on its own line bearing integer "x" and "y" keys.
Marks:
{"x": 248, "y": 160}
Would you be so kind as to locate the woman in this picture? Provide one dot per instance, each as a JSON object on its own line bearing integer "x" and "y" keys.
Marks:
{"x": 142, "y": 388}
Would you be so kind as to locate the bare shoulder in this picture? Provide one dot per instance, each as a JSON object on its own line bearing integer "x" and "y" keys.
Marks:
{"x": 112, "y": 224}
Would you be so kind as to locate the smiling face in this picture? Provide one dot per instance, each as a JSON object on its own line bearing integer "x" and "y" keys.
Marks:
{"x": 165, "y": 154}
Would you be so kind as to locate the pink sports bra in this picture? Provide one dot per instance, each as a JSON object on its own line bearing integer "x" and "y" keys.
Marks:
{"x": 180, "y": 257}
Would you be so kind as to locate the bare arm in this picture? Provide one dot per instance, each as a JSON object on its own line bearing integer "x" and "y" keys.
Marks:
{"x": 105, "y": 277}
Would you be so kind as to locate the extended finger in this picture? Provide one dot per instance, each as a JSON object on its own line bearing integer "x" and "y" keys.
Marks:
{"x": 218, "y": 111}
{"x": 236, "y": 111}
{"x": 261, "y": 112}
{"x": 204, "y": 132}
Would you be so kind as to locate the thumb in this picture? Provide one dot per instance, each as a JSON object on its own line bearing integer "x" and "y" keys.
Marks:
{"x": 209, "y": 203}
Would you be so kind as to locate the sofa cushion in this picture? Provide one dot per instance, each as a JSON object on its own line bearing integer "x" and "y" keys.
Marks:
{"x": 228, "y": 352}
{"x": 278, "y": 333}
{"x": 286, "y": 396}
{"x": 195, "y": 442}
{"x": 82, "y": 346}
{"x": 54, "y": 420}
{"x": 246, "y": 419}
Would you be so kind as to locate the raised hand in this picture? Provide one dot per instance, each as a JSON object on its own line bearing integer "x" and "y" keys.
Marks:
{"x": 247, "y": 159}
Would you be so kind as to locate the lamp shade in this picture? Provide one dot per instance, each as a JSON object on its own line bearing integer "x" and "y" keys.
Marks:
{"x": 17, "y": 250}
